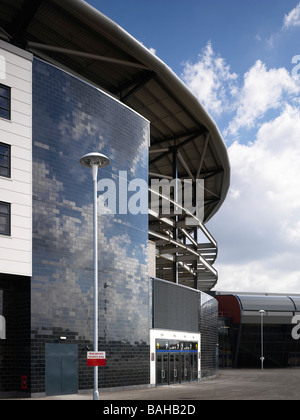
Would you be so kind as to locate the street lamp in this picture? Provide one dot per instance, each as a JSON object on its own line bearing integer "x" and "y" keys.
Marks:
{"x": 262, "y": 313}
{"x": 95, "y": 161}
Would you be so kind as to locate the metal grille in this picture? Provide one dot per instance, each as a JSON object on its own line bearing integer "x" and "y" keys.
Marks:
{"x": 175, "y": 307}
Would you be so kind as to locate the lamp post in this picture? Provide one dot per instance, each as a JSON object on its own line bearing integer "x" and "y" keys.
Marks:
{"x": 95, "y": 161}
{"x": 262, "y": 313}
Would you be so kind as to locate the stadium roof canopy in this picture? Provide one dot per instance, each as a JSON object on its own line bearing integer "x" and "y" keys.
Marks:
{"x": 75, "y": 35}
{"x": 185, "y": 142}
{"x": 246, "y": 307}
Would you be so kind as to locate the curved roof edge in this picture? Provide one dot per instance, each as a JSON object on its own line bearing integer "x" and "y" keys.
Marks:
{"x": 75, "y": 36}
{"x": 268, "y": 302}
{"x": 99, "y": 22}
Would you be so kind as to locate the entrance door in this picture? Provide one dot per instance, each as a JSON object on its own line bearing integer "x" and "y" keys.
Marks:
{"x": 61, "y": 369}
{"x": 185, "y": 367}
{"x": 174, "y": 368}
{"x": 176, "y": 362}
{"x": 162, "y": 368}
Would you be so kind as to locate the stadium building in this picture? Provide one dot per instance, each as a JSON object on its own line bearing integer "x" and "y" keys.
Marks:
{"x": 73, "y": 82}
{"x": 256, "y": 325}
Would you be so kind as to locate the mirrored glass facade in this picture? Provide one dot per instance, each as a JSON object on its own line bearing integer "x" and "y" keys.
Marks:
{"x": 74, "y": 83}
{"x": 49, "y": 316}
{"x": 209, "y": 335}
{"x": 70, "y": 119}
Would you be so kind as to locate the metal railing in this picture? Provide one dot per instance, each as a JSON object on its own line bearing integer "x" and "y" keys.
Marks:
{"x": 194, "y": 260}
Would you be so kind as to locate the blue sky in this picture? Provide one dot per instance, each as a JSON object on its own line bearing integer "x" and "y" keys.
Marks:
{"x": 236, "y": 56}
{"x": 178, "y": 30}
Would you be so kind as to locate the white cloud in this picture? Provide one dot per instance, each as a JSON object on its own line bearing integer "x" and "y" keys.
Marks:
{"x": 293, "y": 18}
{"x": 152, "y": 50}
{"x": 263, "y": 90}
{"x": 211, "y": 80}
{"x": 247, "y": 100}
{"x": 259, "y": 224}
{"x": 257, "y": 277}
{"x": 270, "y": 42}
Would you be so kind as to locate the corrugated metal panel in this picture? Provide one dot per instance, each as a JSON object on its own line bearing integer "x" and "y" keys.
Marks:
{"x": 175, "y": 307}
{"x": 296, "y": 300}
{"x": 271, "y": 318}
{"x": 266, "y": 303}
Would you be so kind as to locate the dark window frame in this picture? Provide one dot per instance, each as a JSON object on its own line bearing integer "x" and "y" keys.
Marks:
{"x": 5, "y": 102}
{"x": 7, "y": 166}
{"x": 7, "y": 229}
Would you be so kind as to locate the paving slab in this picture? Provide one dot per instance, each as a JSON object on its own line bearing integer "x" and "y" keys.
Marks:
{"x": 231, "y": 384}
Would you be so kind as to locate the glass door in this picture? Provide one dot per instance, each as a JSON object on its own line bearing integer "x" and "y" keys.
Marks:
{"x": 177, "y": 368}
{"x": 162, "y": 368}
{"x": 174, "y": 368}
{"x": 176, "y": 362}
{"x": 186, "y": 367}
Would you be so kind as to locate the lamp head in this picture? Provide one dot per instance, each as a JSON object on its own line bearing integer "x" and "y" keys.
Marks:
{"x": 94, "y": 158}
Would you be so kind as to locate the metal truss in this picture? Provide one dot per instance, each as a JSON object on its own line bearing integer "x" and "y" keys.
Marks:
{"x": 180, "y": 256}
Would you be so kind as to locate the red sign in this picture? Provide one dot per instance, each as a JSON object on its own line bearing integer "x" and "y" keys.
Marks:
{"x": 96, "y": 358}
{"x": 23, "y": 382}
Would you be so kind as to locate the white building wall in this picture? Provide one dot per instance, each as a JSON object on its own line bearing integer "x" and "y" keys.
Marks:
{"x": 16, "y": 72}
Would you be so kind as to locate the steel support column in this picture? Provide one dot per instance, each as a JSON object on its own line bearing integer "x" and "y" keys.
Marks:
{"x": 175, "y": 229}
{"x": 196, "y": 262}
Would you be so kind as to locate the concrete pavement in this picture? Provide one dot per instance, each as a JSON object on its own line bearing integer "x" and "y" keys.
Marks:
{"x": 244, "y": 384}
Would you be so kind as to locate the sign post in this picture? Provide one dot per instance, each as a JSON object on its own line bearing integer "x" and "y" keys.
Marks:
{"x": 95, "y": 161}
{"x": 96, "y": 358}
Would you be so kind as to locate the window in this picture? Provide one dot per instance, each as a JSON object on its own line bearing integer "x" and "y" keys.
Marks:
{"x": 5, "y": 102}
{"x": 4, "y": 218}
{"x": 4, "y": 160}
